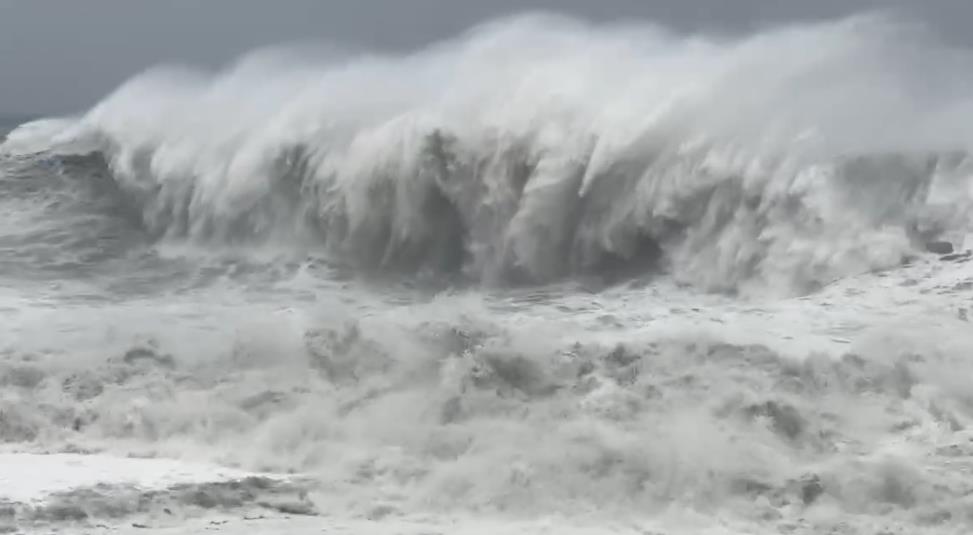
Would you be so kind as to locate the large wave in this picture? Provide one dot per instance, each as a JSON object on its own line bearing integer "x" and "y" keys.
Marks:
{"x": 539, "y": 147}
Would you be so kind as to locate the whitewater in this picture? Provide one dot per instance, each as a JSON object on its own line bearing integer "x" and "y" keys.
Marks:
{"x": 543, "y": 277}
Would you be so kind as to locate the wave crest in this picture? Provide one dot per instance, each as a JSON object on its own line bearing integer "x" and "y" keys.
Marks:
{"x": 536, "y": 148}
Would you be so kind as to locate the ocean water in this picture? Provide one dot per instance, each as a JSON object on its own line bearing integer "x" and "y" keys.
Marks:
{"x": 544, "y": 277}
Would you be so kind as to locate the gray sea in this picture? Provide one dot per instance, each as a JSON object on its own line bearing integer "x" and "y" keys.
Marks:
{"x": 543, "y": 277}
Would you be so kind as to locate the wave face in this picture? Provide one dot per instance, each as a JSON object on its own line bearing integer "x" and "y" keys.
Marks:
{"x": 535, "y": 148}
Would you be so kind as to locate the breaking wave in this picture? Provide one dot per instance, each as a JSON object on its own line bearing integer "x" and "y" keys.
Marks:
{"x": 536, "y": 148}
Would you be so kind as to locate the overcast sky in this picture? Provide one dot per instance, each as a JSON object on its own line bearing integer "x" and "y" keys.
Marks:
{"x": 61, "y": 56}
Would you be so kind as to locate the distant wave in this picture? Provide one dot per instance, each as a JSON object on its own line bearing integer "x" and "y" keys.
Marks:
{"x": 536, "y": 148}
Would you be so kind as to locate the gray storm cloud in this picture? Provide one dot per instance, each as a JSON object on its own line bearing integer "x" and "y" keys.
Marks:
{"x": 58, "y": 57}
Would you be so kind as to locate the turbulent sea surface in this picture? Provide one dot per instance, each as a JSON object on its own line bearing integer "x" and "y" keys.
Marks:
{"x": 544, "y": 277}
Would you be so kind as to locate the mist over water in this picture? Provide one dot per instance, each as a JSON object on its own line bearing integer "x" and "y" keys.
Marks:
{"x": 545, "y": 267}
